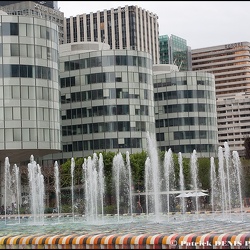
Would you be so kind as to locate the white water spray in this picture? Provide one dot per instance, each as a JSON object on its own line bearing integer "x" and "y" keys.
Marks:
{"x": 194, "y": 177}
{"x": 181, "y": 183}
{"x": 72, "y": 186}
{"x": 154, "y": 170}
{"x": 57, "y": 187}
{"x": 37, "y": 191}
{"x": 169, "y": 175}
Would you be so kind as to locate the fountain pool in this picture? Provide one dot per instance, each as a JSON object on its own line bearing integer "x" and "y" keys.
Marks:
{"x": 131, "y": 232}
{"x": 156, "y": 227}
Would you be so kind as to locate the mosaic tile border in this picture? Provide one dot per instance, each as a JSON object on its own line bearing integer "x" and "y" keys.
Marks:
{"x": 128, "y": 241}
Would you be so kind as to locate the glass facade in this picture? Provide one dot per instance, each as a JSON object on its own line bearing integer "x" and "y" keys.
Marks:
{"x": 107, "y": 102}
{"x": 164, "y": 49}
{"x": 186, "y": 117}
{"x": 174, "y": 50}
{"x": 29, "y": 88}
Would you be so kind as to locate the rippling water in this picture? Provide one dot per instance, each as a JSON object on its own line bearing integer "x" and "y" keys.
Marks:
{"x": 141, "y": 224}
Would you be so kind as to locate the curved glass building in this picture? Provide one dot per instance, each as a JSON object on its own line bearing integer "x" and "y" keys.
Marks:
{"x": 29, "y": 88}
{"x": 106, "y": 99}
{"x": 186, "y": 117}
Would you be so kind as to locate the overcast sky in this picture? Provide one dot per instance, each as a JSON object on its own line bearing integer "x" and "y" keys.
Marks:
{"x": 201, "y": 24}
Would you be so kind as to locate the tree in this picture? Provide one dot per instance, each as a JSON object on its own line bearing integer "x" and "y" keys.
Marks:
{"x": 108, "y": 164}
{"x": 65, "y": 177}
{"x": 48, "y": 173}
{"x": 204, "y": 172}
{"x": 186, "y": 171}
{"x": 137, "y": 162}
{"x": 247, "y": 147}
{"x": 245, "y": 174}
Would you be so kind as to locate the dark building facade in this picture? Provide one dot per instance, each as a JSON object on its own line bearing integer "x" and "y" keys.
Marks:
{"x": 50, "y": 4}
{"x": 47, "y": 10}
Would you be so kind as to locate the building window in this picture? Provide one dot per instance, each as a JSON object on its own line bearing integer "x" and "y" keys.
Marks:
{"x": 10, "y": 29}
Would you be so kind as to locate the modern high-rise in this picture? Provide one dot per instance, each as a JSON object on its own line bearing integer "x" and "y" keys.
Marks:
{"x": 107, "y": 101}
{"x": 230, "y": 63}
{"x": 43, "y": 9}
{"x": 129, "y": 27}
{"x": 185, "y": 111}
{"x": 29, "y": 88}
{"x": 50, "y": 4}
{"x": 174, "y": 50}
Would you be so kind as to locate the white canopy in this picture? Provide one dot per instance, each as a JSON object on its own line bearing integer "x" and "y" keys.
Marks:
{"x": 191, "y": 194}
{"x": 183, "y": 195}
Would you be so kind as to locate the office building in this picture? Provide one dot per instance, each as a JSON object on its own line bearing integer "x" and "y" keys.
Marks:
{"x": 174, "y": 50}
{"x": 29, "y": 91}
{"x": 50, "y": 4}
{"x": 185, "y": 111}
{"x": 43, "y": 9}
{"x": 230, "y": 63}
{"x": 106, "y": 100}
{"x": 129, "y": 27}
{"x": 234, "y": 120}
{"x": 29, "y": 88}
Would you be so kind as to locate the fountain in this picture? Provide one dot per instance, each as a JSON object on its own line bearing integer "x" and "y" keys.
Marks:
{"x": 227, "y": 157}
{"x": 181, "y": 183}
{"x": 229, "y": 178}
{"x": 213, "y": 183}
{"x": 57, "y": 188}
{"x": 194, "y": 178}
{"x": 128, "y": 167}
{"x": 222, "y": 182}
{"x": 36, "y": 182}
{"x": 72, "y": 168}
{"x": 122, "y": 180}
{"x": 7, "y": 185}
{"x": 169, "y": 172}
{"x": 94, "y": 187}
{"x": 237, "y": 164}
{"x": 16, "y": 178}
{"x": 101, "y": 183}
{"x": 153, "y": 183}
{"x": 158, "y": 227}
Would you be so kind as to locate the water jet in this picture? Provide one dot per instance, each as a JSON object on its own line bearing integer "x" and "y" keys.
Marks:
{"x": 157, "y": 226}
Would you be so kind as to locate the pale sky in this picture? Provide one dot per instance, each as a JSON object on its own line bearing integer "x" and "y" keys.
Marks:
{"x": 201, "y": 24}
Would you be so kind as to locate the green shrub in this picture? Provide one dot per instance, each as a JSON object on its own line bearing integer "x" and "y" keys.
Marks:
{"x": 111, "y": 209}
{"x": 22, "y": 210}
{"x": 48, "y": 210}
{"x": 66, "y": 208}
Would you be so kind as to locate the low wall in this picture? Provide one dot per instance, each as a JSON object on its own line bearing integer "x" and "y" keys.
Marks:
{"x": 129, "y": 241}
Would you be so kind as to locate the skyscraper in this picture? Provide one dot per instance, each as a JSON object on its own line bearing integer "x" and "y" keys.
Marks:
{"x": 128, "y": 27}
{"x": 44, "y": 9}
{"x": 29, "y": 88}
{"x": 50, "y": 4}
{"x": 230, "y": 63}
